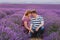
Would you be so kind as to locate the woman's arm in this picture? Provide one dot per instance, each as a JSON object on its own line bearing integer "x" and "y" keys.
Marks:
{"x": 25, "y": 24}
{"x": 31, "y": 27}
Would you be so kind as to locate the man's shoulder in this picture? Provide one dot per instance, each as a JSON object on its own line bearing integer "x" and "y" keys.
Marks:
{"x": 39, "y": 16}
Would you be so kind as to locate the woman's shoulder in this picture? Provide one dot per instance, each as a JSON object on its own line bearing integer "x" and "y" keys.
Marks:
{"x": 25, "y": 18}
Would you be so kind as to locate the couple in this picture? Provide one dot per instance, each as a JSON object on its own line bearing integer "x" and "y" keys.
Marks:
{"x": 33, "y": 23}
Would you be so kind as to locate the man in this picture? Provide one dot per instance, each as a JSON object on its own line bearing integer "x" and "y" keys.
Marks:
{"x": 37, "y": 25}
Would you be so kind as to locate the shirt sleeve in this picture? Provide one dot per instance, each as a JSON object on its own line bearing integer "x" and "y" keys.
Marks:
{"x": 25, "y": 19}
{"x": 41, "y": 18}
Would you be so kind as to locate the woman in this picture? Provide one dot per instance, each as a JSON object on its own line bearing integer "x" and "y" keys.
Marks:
{"x": 26, "y": 21}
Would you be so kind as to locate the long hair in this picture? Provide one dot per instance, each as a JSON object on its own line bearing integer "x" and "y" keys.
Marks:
{"x": 26, "y": 13}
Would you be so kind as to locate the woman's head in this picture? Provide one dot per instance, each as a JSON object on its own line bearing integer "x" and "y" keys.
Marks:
{"x": 28, "y": 13}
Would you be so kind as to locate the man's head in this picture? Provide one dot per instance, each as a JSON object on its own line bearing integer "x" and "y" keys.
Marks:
{"x": 34, "y": 13}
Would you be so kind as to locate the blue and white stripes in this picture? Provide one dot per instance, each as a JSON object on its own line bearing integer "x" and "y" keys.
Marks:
{"x": 36, "y": 21}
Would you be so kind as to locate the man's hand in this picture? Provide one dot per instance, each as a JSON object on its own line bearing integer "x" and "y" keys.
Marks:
{"x": 37, "y": 28}
{"x": 32, "y": 31}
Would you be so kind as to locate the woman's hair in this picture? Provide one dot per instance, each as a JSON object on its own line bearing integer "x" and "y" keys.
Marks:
{"x": 27, "y": 12}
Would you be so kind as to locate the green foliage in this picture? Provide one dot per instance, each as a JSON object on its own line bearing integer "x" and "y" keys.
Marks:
{"x": 53, "y": 28}
{"x": 4, "y": 34}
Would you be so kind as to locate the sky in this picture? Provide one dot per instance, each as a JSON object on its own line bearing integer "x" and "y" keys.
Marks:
{"x": 30, "y": 1}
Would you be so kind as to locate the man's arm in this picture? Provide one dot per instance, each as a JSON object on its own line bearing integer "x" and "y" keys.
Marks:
{"x": 42, "y": 23}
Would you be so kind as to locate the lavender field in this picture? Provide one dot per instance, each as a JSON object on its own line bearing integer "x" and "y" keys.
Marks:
{"x": 11, "y": 15}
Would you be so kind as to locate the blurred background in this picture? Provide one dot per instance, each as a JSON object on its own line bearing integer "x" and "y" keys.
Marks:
{"x": 12, "y": 11}
{"x": 30, "y": 1}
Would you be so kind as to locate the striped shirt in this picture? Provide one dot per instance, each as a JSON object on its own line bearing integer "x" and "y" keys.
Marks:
{"x": 36, "y": 21}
